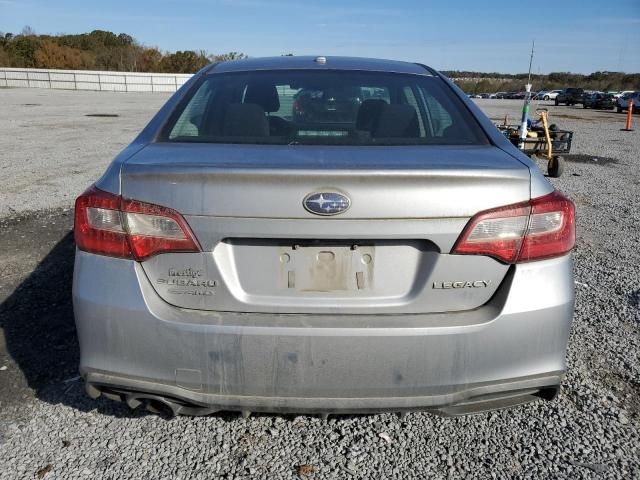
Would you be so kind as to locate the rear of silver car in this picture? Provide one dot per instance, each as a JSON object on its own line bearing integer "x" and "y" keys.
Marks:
{"x": 321, "y": 276}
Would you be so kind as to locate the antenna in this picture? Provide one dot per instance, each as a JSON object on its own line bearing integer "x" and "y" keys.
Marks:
{"x": 527, "y": 101}
{"x": 533, "y": 46}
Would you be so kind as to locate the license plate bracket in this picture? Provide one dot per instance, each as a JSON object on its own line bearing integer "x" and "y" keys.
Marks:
{"x": 327, "y": 268}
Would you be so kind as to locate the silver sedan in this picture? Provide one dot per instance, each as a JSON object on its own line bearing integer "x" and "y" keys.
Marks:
{"x": 322, "y": 235}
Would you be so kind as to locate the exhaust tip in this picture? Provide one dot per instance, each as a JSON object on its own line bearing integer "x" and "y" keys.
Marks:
{"x": 161, "y": 407}
{"x": 92, "y": 390}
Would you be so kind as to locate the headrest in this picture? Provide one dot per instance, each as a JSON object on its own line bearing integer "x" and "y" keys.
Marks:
{"x": 263, "y": 94}
{"x": 245, "y": 120}
{"x": 399, "y": 121}
{"x": 368, "y": 112}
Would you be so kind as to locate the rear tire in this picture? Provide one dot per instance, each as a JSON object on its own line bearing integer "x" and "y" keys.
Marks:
{"x": 555, "y": 167}
{"x": 546, "y": 97}
{"x": 619, "y": 109}
{"x": 557, "y": 102}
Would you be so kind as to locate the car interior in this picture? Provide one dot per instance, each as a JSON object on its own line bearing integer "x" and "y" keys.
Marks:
{"x": 262, "y": 111}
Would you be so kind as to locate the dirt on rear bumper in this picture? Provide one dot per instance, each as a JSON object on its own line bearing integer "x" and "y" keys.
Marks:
{"x": 468, "y": 399}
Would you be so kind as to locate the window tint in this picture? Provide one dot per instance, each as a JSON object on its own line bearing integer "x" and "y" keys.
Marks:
{"x": 323, "y": 107}
{"x": 411, "y": 99}
{"x": 189, "y": 121}
{"x": 439, "y": 118}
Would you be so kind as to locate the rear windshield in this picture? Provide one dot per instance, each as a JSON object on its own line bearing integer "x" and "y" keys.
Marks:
{"x": 323, "y": 108}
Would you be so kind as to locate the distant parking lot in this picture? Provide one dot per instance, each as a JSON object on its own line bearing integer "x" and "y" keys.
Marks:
{"x": 55, "y": 143}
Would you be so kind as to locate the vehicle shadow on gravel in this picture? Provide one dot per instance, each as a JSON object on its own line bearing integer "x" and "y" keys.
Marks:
{"x": 37, "y": 321}
{"x": 40, "y": 334}
{"x": 39, "y": 329}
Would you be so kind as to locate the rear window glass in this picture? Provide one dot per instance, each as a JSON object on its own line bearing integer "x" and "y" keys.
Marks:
{"x": 323, "y": 108}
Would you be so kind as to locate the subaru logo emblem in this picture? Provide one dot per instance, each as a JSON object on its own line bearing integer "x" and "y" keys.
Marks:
{"x": 326, "y": 203}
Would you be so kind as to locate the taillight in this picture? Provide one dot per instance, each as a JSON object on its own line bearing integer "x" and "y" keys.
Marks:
{"x": 107, "y": 224}
{"x": 543, "y": 227}
{"x": 98, "y": 224}
{"x": 552, "y": 228}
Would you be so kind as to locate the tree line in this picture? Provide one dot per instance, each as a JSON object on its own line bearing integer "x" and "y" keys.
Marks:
{"x": 104, "y": 50}
{"x": 477, "y": 82}
{"x": 99, "y": 50}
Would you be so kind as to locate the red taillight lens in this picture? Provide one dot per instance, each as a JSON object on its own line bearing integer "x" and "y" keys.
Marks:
{"x": 98, "y": 224}
{"x": 541, "y": 228}
{"x": 154, "y": 229}
{"x": 106, "y": 224}
{"x": 497, "y": 233}
{"x": 552, "y": 228}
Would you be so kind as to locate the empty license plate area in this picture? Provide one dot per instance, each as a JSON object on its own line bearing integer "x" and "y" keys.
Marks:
{"x": 327, "y": 268}
{"x": 330, "y": 269}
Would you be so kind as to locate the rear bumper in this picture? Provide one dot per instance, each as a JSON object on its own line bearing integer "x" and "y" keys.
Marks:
{"x": 471, "y": 399}
{"x": 134, "y": 345}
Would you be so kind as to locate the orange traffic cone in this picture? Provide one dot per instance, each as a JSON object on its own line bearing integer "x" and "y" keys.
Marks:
{"x": 627, "y": 127}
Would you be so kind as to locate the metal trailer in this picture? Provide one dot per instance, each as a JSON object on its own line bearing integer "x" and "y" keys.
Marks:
{"x": 545, "y": 141}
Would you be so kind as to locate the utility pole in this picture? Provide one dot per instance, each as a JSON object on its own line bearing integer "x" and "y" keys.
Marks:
{"x": 527, "y": 102}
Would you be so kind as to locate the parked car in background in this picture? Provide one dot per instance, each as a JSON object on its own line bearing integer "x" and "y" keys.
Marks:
{"x": 391, "y": 254}
{"x": 623, "y": 102}
{"x": 551, "y": 95}
{"x": 538, "y": 95}
{"x": 570, "y": 96}
{"x": 622, "y": 94}
{"x": 598, "y": 100}
{"x": 500, "y": 95}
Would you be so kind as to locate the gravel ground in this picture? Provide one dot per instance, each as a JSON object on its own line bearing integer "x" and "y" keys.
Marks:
{"x": 50, "y": 429}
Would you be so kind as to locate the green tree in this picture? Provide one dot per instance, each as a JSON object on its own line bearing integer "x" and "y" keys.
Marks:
{"x": 483, "y": 86}
{"x": 22, "y": 51}
{"x": 227, "y": 56}
{"x": 186, "y": 61}
{"x": 149, "y": 59}
{"x": 4, "y": 57}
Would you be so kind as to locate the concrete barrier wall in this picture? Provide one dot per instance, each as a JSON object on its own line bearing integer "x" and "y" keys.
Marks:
{"x": 91, "y": 80}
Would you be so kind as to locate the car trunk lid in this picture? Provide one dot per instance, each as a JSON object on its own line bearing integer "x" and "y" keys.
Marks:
{"x": 264, "y": 252}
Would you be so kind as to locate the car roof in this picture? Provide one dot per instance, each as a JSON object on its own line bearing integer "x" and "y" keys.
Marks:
{"x": 310, "y": 63}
